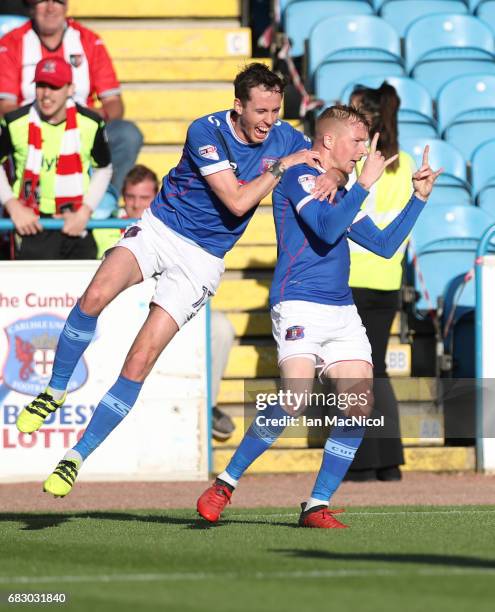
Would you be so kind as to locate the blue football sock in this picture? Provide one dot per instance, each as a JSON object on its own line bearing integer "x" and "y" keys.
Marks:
{"x": 258, "y": 438}
{"x": 112, "y": 409}
{"x": 74, "y": 339}
{"x": 338, "y": 455}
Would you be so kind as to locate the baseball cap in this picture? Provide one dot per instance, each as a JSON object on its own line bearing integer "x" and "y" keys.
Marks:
{"x": 54, "y": 71}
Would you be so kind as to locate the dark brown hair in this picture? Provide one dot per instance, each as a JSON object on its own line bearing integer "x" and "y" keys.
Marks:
{"x": 257, "y": 75}
{"x": 138, "y": 174}
{"x": 382, "y": 107}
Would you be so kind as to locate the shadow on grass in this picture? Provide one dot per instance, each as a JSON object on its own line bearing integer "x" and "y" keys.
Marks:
{"x": 417, "y": 558}
{"x": 35, "y": 522}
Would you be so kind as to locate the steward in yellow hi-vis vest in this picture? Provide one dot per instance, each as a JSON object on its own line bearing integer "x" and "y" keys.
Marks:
{"x": 375, "y": 281}
{"x": 386, "y": 199}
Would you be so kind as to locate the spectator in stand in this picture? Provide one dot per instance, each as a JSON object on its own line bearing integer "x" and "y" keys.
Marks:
{"x": 376, "y": 282}
{"x": 53, "y": 143}
{"x": 50, "y": 33}
{"x": 140, "y": 187}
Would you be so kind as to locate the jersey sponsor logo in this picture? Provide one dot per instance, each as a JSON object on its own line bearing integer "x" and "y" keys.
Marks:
{"x": 307, "y": 182}
{"x": 277, "y": 123}
{"x": 132, "y": 232}
{"x": 32, "y": 344}
{"x": 307, "y": 138}
{"x": 214, "y": 120}
{"x": 209, "y": 152}
{"x": 76, "y": 59}
{"x": 296, "y": 332}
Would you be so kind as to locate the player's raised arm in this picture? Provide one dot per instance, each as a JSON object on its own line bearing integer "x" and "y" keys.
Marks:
{"x": 386, "y": 241}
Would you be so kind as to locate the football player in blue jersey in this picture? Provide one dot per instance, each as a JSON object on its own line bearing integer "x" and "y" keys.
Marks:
{"x": 314, "y": 321}
{"x": 230, "y": 162}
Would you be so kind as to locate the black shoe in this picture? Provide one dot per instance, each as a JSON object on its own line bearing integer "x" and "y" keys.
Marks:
{"x": 360, "y": 476}
{"x": 389, "y": 474}
{"x": 222, "y": 426}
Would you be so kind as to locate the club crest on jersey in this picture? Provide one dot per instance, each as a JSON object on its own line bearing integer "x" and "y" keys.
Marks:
{"x": 267, "y": 162}
{"x": 307, "y": 182}
{"x": 32, "y": 344}
{"x": 209, "y": 152}
{"x": 76, "y": 59}
{"x": 296, "y": 332}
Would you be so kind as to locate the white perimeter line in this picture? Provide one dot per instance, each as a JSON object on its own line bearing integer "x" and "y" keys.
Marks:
{"x": 197, "y": 576}
{"x": 350, "y": 514}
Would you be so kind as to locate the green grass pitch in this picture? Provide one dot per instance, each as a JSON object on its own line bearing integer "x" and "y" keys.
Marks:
{"x": 392, "y": 559}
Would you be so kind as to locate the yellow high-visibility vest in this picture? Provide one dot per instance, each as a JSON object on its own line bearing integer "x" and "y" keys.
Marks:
{"x": 386, "y": 199}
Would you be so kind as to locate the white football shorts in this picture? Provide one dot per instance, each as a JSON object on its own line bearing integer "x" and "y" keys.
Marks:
{"x": 329, "y": 333}
{"x": 189, "y": 275}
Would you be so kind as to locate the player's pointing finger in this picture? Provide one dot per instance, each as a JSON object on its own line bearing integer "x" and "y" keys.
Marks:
{"x": 425, "y": 155}
{"x": 374, "y": 142}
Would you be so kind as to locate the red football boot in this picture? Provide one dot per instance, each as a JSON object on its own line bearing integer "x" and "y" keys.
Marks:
{"x": 213, "y": 501}
{"x": 320, "y": 517}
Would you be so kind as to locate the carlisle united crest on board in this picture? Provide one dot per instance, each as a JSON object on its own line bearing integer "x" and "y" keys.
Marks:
{"x": 32, "y": 344}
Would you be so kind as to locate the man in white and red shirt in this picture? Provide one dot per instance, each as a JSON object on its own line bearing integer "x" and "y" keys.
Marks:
{"x": 50, "y": 33}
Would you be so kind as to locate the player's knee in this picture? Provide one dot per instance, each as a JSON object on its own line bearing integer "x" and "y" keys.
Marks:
{"x": 94, "y": 300}
{"x": 360, "y": 401}
{"x": 138, "y": 364}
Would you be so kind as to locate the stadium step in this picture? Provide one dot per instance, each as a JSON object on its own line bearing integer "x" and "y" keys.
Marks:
{"x": 259, "y": 324}
{"x": 421, "y": 424}
{"x": 181, "y": 70}
{"x": 175, "y": 42}
{"x": 297, "y": 460}
{"x": 260, "y": 360}
{"x": 136, "y": 9}
{"x": 407, "y": 390}
{"x": 175, "y": 102}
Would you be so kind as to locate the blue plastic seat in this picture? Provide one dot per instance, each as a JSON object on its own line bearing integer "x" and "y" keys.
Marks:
{"x": 443, "y": 46}
{"x": 445, "y": 239}
{"x": 452, "y": 186}
{"x": 302, "y": 15}
{"x": 483, "y": 176}
{"x": 359, "y": 44}
{"x": 10, "y": 22}
{"x": 401, "y": 13}
{"x": 466, "y": 111}
{"x": 486, "y": 12}
{"x": 353, "y": 38}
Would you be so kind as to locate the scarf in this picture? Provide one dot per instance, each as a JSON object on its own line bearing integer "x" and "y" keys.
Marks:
{"x": 68, "y": 178}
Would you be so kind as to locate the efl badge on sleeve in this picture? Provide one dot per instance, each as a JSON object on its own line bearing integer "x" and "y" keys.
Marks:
{"x": 307, "y": 182}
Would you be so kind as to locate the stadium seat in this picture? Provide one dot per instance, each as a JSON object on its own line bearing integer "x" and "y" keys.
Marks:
{"x": 454, "y": 45}
{"x": 401, "y": 13}
{"x": 486, "y": 12}
{"x": 474, "y": 4}
{"x": 9, "y": 22}
{"x": 359, "y": 44}
{"x": 445, "y": 239}
{"x": 483, "y": 176}
{"x": 416, "y": 105}
{"x": 451, "y": 186}
{"x": 466, "y": 111}
{"x": 302, "y": 15}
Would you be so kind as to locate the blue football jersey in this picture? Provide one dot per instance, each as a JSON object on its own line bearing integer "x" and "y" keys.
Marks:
{"x": 309, "y": 268}
{"x": 188, "y": 206}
